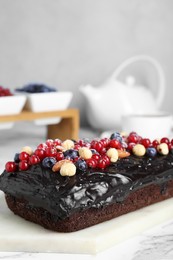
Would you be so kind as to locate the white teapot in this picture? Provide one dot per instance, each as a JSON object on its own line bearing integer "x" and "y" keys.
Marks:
{"x": 107, "y": 103}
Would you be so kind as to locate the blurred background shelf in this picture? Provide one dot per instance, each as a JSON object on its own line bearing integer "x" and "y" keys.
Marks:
{"x": 67, "y": 128}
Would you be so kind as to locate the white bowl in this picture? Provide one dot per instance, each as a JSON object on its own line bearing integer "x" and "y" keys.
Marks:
{"x": 11, "y": 105}
{"x": 152, "y": 126}
{"x": 45, "y": 102}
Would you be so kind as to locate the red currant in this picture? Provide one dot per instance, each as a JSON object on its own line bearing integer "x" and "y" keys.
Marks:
{"x": 59, "y": 156}
{"x": 172, "y": 141}
{"x": 57, "y": 142}
{"x": 49, "y": 142}
{"x": 106, "y": 159}
{"x": 95, "y": 156}
{"x": 130, "y": 146}
{"x": 170, "y": 146}
{"x": 41, "y": 153}
{"x": 24, "y": 156}
{"x": 115, "y": 144}
{"x": 132, "y": 138}
{"x": 155, "y": 143}
{"x": 92, "y": 163}
{"x": 164, "y": 140}
{"x": 145, "y": 142}
{"x": 11, "y": 166}
{"x": 34, "y": 159}
{"x": 98, "y": 146}
{"x": 103, "y": 151}
{"x": 105, "y": 142}
{"x": 81, "y": 142}
{"x": 50, "y": 152}
{"x": 101, "y": 164}
{"x": 23, "y": 165}
{"x": 77, "y": 146}
{"x": 42, "y": 146}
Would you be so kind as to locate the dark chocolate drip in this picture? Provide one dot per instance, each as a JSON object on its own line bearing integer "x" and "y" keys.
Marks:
{"x": 62, "y": 196}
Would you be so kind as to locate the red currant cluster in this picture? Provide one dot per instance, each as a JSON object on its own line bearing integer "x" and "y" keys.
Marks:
{"x": 5, "y": 92}
{"x": 134, "y": 139}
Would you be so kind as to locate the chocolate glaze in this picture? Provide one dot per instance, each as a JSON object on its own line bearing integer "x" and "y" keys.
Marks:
{"x": 62, "y": 196}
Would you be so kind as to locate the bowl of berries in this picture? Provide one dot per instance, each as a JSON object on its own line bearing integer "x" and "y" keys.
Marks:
{"x": 43, "y": 98}
{"x": 10, "y": 104}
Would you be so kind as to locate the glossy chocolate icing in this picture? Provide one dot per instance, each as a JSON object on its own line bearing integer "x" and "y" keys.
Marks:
{"x": 62, "y": 196}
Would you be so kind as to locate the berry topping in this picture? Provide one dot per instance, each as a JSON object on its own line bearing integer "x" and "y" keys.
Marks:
{"x": 146, "y": 142}
{"x": 34, "y": 159}
{"x": 96, "y": 156}
{"x": 41, "y": 153}
{"x": 24, "y": 156}
{"x": 10, "y": 166}
{"x": 155, "y": 143}
{"x": 164, "y": 140}
{"x": 42, "y": 146}
{"x": 49, "y": 162}
{"x": 151, "y": 151}
{"x": 50, "y": 152}
{"x": 97, "y": 145}
{"x": 106, "y": 159}
{"x": 115, "y": 144}
{"x": 115, "y": 135}
{"x": 67, "y": 156}
{"x": 16, "y": 157}
{"x": 101, "y": 164}
{"x": 57, "y": 142}
{"x": 59, "y": 156}
{"x": 130, "y": 146}
{"x": 23, "y": 165}
{"x": 49, "y": 143}
{"x": 132, "y": 138}
{"x": 71, "y": 154}
{"x": 81, "y": 164}
{"x": 92, "y": 163}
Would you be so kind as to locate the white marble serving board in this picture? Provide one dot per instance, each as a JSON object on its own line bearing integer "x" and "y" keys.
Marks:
{"x": 16, "y": 234}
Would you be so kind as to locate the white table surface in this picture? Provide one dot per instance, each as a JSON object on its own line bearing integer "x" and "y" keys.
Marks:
{"x": 156, "y": 243}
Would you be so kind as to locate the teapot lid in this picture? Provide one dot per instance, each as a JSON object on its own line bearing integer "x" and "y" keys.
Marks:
{"x": 158, "y": 89}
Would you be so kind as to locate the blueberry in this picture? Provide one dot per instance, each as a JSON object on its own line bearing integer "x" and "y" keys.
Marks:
{"x": 48, "y": 162}
{"x": 71, "y": 153}
{"x": 94, "y": 151}
{"x": 36, "y": 88}
{"x": 116, "y": 136}
{"x": 151, "y": 151}
{"x": 81, "y": 165}
{"x": 16, "y": 157}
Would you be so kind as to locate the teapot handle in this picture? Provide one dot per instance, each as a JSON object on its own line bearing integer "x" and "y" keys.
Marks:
{"x": 156, "y": 64}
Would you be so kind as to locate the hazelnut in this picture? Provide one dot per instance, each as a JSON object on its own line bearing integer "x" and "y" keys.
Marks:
{"x": 27, "y": 149}
{"x": 68, "y": 169}
{"x": 67, "y": 144}
{"x": 58, "y": 165}
{"x": 163, "y": 149}
{"x": 139, "y": 150}
{"x": 85, "y": 153}
{"x": 112, "y": 153}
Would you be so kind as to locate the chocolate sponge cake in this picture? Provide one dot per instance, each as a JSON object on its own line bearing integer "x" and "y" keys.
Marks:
{"x": 67, "y": 186}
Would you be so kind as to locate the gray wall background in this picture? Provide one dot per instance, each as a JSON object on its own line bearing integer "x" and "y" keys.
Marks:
{"x": 67, "y": 43}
